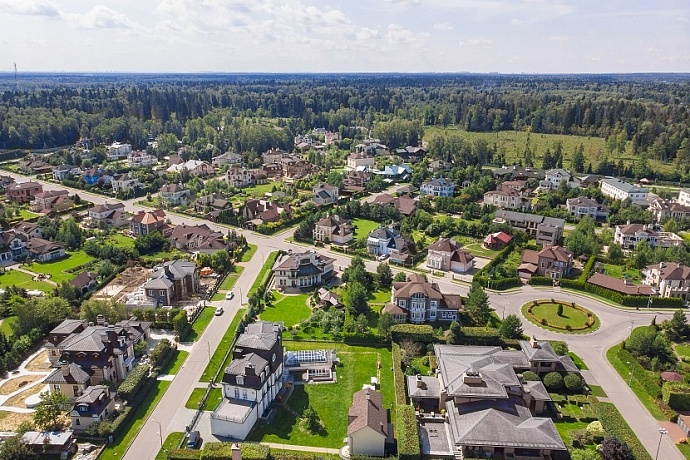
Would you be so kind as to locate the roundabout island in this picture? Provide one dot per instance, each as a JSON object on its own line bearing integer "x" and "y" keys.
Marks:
{"x": 559, "y": 316}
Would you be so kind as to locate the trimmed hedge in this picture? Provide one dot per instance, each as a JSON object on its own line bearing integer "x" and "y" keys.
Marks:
{"x": 414, "y": 332}
{"x": 120, "y": 420}
{"x": 541, "y": 281}
{"x": 255, "y": 451}
{"x": 649, "y": 380}
{"x": 615, "y": 425}
{"x": 408, "y": 433}
{"x": 216, "y": 451}
{"x": 587, "y": 270}
{"x": 480, "y": 336}
{"x": 134, "y": 381}
{"x": 676, "y": 395}
{"x": 184, "y": 454}
{"x": 398, "y": 376}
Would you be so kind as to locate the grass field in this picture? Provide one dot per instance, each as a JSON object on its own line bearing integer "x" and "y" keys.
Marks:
{"x": 117, "y": 449}
{"x": 259, "y": 190}
{"x": 619, "y": 271}
{"x": 171, "y": 442}
{"x": 249, "y": 253}
{"x": 175, "y": 363}
{"x": 199, "y": 326}
{"x": 120, "y": 240}
{"x": 228, "y": 283}
{"x": 363, "y": 227}
{"x": 217, "y": 358}
{"x": 571, "y": 317}
{"x": 330, "y": 401}
{"x": 270, "y": 261}
{"x": 684, "y": 449}
{"x": 291, "y": 309}
{"x": 23, "y": 280}
{"x": 597, "y": 391}
{"x": 213, "y": 400}
{"x": 380, "y": 297}
{"x": 578, "y": 361}
{"x": 57, "y": 269}
{"x": 6, "y": 325}
{"x": 683, "y": 349}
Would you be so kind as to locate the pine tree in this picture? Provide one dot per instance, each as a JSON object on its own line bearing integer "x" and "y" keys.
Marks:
{"x": 477, "y": 305}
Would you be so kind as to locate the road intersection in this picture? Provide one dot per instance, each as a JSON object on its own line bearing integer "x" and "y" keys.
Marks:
{"x": 616, "y": 324}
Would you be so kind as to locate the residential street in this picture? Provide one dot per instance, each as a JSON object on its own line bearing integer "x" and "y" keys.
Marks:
{"x": 615, "y": 326}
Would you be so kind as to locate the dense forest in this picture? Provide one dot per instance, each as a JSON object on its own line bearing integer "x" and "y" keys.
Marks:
{"x": 226, "y": 111}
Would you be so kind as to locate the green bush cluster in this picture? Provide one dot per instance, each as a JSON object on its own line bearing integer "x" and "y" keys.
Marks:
{"x": 587, "y": 270}
{"x": 399, "y": 377}
{"x": 161, "y": 353}
{"x": 481, "y": 336}
{"x": 616, "y": 297}
{"x": 408, "y": 433}
{"x": 119, "y": 421}
{"x": 649, "y": 380}
{"x": 184, "y": 454}
{"x": 254, "y": 451}
{"x": 676, "y": 395}
{"x": 216, "y": 451}
{"x": 413, "y": 332}
{"x": 483, "y": 275}
{"x": 134, "y": 381}
{"x": 616, "y": 426}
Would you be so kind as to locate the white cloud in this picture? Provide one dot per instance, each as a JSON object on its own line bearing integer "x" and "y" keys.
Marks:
{"x": 516, "y": 22}
{"x": 682, "y": 19}
{"x": 398, "y": 34}
{"x": 559, "y": 38}
{"x": 483, "y": 42}
{"x": 29, "y": 7}
{"x": 402, "y": 3}
{"x": 443, "y": 26}
{"x": 101, "y": 17}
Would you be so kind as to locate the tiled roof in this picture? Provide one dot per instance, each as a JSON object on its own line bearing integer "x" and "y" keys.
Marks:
{"x": 367, "y": 411}
{"x": 75, "y": 375}
{"x": 671, "y": 271}
{"x": 619, "y": 285}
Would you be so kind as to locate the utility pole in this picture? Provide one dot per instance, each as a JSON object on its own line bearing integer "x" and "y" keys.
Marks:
{"x": 16, "y": 78}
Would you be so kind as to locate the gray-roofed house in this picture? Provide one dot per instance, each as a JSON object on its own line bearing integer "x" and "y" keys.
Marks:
{"x": 324, "y": 193}
{"x": 85, "y": 281}
{"x": 251, "y": 382}
{"x": 621, "y": 190}
{"x": 587, "y": 207}
{"x": 44, "y": 250}
{"x": 70, "y": 379}
{"x": 543, "y": 229}
{"x": 388, "y": 241}
{"x": 333, "y": 229}
{"x": 174, "y": 194}
{"x": 437, "y": 187}
{"x": 173, "y": 281}
{"x": 197, "y": 238}
{"x": 60, "y": 444}
{"x": 94, "y": 405}
{"x": 367, "y": 424}
{"x": 303, "y": 270}
{"x": 419, "y": 301}
{"x": 447, "y": 255}
{"x": 490, "y": 411}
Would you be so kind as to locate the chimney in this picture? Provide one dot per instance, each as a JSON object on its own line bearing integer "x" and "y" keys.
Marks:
{"x": 661, "y": 265}
{"x": 64, "y": 366}
{"x": 236, "y": 452}
{"x": 533, "y": 342}
{"x": 420, "y": 383}
{"x": 368, "y": 396}
{"x": 249, "y": 369}
{"x": 100, "y": 320}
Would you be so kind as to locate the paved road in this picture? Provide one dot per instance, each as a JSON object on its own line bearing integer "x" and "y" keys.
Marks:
{"x": 616, "y": 326}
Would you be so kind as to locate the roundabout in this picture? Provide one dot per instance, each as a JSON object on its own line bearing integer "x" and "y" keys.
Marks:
{"x": 560, "y": 316}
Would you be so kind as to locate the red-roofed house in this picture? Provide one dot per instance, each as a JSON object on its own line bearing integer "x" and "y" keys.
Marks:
{"x": 146, "y": 222}
{"x": 625, "y": 287}
{"x": 22, "y": 192}
{"x": 552, "y": 261}
{"x": 51, "y": 201}
{"x": 497, "y": 241}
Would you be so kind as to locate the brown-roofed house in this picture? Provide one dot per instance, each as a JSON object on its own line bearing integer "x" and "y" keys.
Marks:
{"x": 447, "y": 255}
{"x": 552, "y": 261}
{"x": 670, "y": 279}
{"x": 419, "y": 301}
{"x": 403, "y": 203}
{"x": 367, "y": 424}
{"x": 497, "y": 241}
{"x": 625, "y": 287}
{"x": 23, "y": 192}
{"x": 197, "y": 238}
{"x": 147, "y": 222}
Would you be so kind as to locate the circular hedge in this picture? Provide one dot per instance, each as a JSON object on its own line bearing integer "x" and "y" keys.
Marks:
{"x": 556, "y": 315}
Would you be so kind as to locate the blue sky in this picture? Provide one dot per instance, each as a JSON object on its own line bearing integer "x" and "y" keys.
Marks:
{"x": 507, "y": 36}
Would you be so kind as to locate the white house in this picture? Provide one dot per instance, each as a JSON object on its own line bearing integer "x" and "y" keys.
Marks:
{"x": 294, "y": 271}
{"x": 367, "y": 424}
{"x": 628, "y": 236}
{"x": 252, "y": 380}
{"x": 554, "y": 177}
{"x": 333, "y": 229}
{"x": 174, "y": 194}
{"x": 325, "y": 193}
{"x": 447, "y": 255}
{"x": 124, "y": 183}
{"x": 196, "y": 168}
{"x": 437, "y": 187}
{"x": 357, "y": 160}
{"x": 586, "y": 207}
{"x": 669, "y": 279}
{"x": 684, "y": 197}
{"x": 141, "y": 159}
{"x": 240, "y": 177}
{"x": 621, "y": 190}
{"x": 117, "y": 150}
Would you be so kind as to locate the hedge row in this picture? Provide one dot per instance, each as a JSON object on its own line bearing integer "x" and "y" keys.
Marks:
{"x": 120, "y": 419}
{"x": 184, "y": 454}
{"x": 134, "y": 381}
{"x": 399, "y": 377}
{"x": 414, "y": 332}
{"x": 161, "y": 353}
{"x": 616, "y": 426}
{"x": 255, "y": 451}
{"x": 408, "y": 433}
{"x": 500, "y": 258}
{"x": 649, "y": 380}
{"x": 587, "y": 270}
{"x": 676, "y": 395}
{"x": 480, "y": 336}
{"x": 217, "y": 451}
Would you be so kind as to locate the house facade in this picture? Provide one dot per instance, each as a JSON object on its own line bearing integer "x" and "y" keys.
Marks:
{"x": 554, "y": 177}
{"x": 44, "y": 250}
{"x": 664, "y": 209}
{"x": 508, "y": 198}
{"x": 437, "y": 187}
{"x": 669, "y": 279}
{"x": 299, "y": 271}
{"x": 388, "y": 241}
{"x": 94, "y": 405}
{"x": 147, "y": 222}
{"x": 552, "y": 261}
{"x": 141, "y": 159}
{"x": 118, "y": 150}
{"x": 172, "y": 282}
{"x": 227, "y": 158}
{"x": 196, "y": 168}
{"x": 251, "y": 382}
{"x": 621, "y": 190}
{"x": 108, "y": 215}
{"x": 544, "y": 229}
{"x": 418, "y": 301}
{"x": 125, "y": 183}
{"x": 403, "y": 203}
{"x": 333, "y": 229}
{"x": 197, "y": 238}
{"x": 497, "y": 241}
{"x": 324, "y": 193}
{"x": 447, "y": 255}
{"x": 51, "y": 201}
{"x": 360, "y": 160}
{"x": 367, "y": 424}
{"x": 240, "y": 177}
{"x": 174, "y": 195}
{"x": 586, "y": 207}
{"x": 23, "y": 192}
{"x": 630, "y": 235}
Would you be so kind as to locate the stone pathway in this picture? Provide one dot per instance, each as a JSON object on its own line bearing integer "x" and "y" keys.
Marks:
{"x": 33, "y": 275}
{"x": 19, "y": 373}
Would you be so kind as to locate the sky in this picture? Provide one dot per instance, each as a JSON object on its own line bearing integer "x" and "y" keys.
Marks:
{"x": 323, "y": 36}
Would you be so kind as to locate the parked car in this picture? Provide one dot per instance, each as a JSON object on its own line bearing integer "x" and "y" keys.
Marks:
{"x": 219, "y": 311}
{"x": 382, "y": 257}
{"x": 194, "y": 440}
{"x": 229, "y": 295}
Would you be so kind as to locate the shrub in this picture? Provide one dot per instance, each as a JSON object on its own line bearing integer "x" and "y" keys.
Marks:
{"x": 414, "y": 332}
{"x": 133, "y": 382}
{"x": 615, "y": 425}
{"x": 161, "y": 352}
{"x": 553, "y": 381}
{"x": 216, "y": 451}
{"x": 560, "y": 347}
{"x": 254, "y": 451}
{"x": 399, "y": 377}
{"x": 596, "y": 431}
{"x": 480, "y": 336}
{"x": 676, "y": 395}
{"x": 573, "y": 382}
{"x": 184, "y": 454}
{"x": 408, "y": 434}
{"x": 530, "y": 376}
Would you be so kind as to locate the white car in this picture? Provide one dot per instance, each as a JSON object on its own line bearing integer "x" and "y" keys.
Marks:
{"x": 229, "y": 295}
{"x": 382, "y": 257}
{"x": 219, "y": 311}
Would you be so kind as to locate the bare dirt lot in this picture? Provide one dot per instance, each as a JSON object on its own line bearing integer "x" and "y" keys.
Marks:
{"x": 15, "y": 384}
{"x": 126, "y": 282}
{"x": 40, "y": 363}
{"x": 18, "y": 399}
{"x": 9, "y": 421}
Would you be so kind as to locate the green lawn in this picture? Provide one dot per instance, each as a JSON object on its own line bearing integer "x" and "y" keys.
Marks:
{"x": 23, "y": 280}
{"x": 565, "y": 427}
{"x": 57, "y": 269}
{"x": 117, "y": 449}
{"x": 231, "y": 279}
{"x": 684, "y": 449}
{"x": 213, "y": 400}
{"x": 199, "y": 326}
{"x": 619, "y": 271}
{"x": 6, "y": 326}
{"x": 363, "y": 227}
{"x": 260, "y": 190}
{"x": 549, "y": 311}
{"x": 478, "y": 249}
{"x": 270, "y": 261}
{"x": 249, "y": 253}
{"x": 330, "y": 401}
{"x": 380, "y": 296}
{"x": 175, "y": 362}
{"x": 683, "y": 350}
{"x": 23, "y": 214}
{"x": 596, "y": 390}
{"x": 120, "y": 240}
{"x": 578, "y": 361}
{"x": 291, "y": 309}
{"x": 217, "y": 358}
{"x": 171, "y": 442}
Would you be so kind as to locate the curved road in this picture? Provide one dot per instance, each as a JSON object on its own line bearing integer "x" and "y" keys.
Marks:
{"x": 615, "y": 326}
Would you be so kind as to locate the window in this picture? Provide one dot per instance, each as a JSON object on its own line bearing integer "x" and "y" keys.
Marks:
{"x": 237, "y": 393}
{"x": 75, "y": 389}
{"x": 244, "y": 394}
{"x": 240, "y": 379}
{"x": 77, "y": 422}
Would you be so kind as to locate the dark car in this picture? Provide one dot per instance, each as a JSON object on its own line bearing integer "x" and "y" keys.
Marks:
{"x": 194, "y": 440}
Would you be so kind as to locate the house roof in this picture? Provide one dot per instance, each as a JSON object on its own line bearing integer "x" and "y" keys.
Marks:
{"x": 41, "y": 246}
{"x": 261, "y": 335}
{"x": 422, "y": 386}
{"x": 444, "y": 245}
{"x": 99, "y": 208}
{"x": 172, "y": 188}
{"x": 624, "y": 186}
{"x": 303, "y": 262}
{"x": 556, "y": 252}
{"x": 671, "y": 271}
{"x": 526, "y": 217}
{"x": 367, "y": 411}
{"x": 530, "y": 257}
{"x": 498, "y": 236}
{"x": 75, "y": 375}
{"x": 536, "y": 350}
{"x": 96, "y": 398}
{"x": 619, "y": 285}
{"x": 68, "y": 326}
{"x": 83, "y": 279}
{"x": 149, "y": 217}
{"x": 438, "y": 182}
{"x": 51, "y": 438}
{"x": 415, "y": 284}
{"x": 238, "y": 366}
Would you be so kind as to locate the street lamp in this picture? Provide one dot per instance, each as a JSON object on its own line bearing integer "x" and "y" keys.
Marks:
{"x": 160, "y": 431}
{"x": 649, "y": 302}
{"x": 240, "y": 289}
{"x": 208, "y": 348}
{"x": 632, "y": 371}
{"x": 662, "y": 432}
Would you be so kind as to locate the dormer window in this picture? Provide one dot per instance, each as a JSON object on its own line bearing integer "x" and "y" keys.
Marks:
{"x": 81, "y": 355}
{"x": 240, "y": 379}
{"x": 95, "y": 356}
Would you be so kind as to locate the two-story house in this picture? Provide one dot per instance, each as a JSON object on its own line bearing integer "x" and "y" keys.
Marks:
{"x": 333, "y": 229}
{"x": 147, "y": 222}
{"x": 630, "y": 235}
{"x": 51, "y": 201}
{"x": 240, "y": 177}
{"x": 544, "y": 229}
{"x": 302, "y": 270}
{"x": 227, "y": 158}
{"x": 665, "y": 209}
{"x": 403, "y": 203}
{"x": 251, "y": 382}
{"x": 174, "y": 195}
{"x": 554, "y": 177}
{"x": 506, "y": 197}
{"x": 94, "y": 405}
{"x": 419, "y": 301}
{"x": 552, "y": 261}
{"x": 173, "y": 281}
{"x": 196, "y": 168}
{"x": 587, "y": 207}
{"x": 60, "y": 172}
{"x": 44, "y": 250}
{"x": 388, "y": 241}
{"x": 257, "y": 212}
{"x": 447, "y": 255}
{"x": 197, "y": 238}
{"x": 324, "y": 193}
{"x": 125, "y": 183}
{"x": 118, "y": 150}
{"x": 621, "y": 190}
{"x": 437, "y": 187}
{"x": 669, "y": 279}
{"x": 108, "y": 215}
{"x": 141, "y": 159}
{"x": 23, "y": 192}
{"x": 360, "y": 161}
